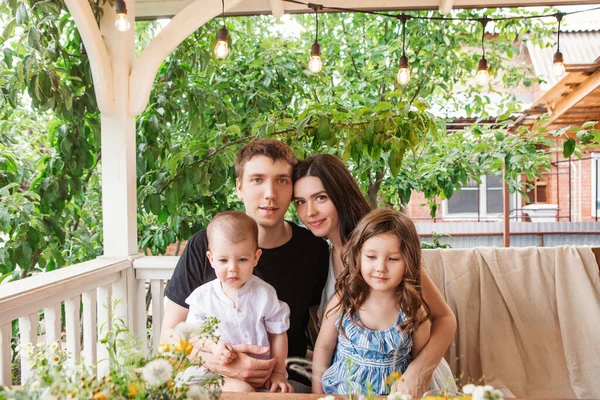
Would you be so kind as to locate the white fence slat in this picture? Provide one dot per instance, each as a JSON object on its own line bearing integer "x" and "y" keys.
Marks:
{"x": 119, "y": 300}
{"x": 158, "y": 293}
{"x": 5, "y": 353}
{"x": 104, "y": 327}
{"x": 140, "y": 314}
{"x": 88, "y": 299}
{"x": 53, "y": 323}
{"x": 28, "y": 327}
{"x": 73, "y": 328}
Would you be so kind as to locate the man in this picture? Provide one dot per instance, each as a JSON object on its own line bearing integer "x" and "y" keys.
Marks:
{"x": 293, "y": 260}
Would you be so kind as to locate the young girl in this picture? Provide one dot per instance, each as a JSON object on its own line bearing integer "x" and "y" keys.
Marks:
{"x": 377, "y": 321}
{"x": 329, "y": 202}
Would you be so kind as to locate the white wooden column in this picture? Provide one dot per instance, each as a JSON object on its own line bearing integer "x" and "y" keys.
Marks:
{"x": 119, "y": 207}
{"x": 53, "y": 323}
{"x": 5, "y": 354}
{"x": 28, "y": 326}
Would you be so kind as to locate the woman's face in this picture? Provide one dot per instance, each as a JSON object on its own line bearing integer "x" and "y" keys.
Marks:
{"x": 314, "y": 207}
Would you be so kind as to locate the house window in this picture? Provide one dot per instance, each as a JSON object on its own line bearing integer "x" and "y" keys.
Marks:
{"x": 595, "y": 200}
{"x": 477, "y": 202}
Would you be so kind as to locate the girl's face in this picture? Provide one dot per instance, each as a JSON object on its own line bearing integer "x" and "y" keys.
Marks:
{"x": 314, "y": 207}
{"x": 381, "y": 263}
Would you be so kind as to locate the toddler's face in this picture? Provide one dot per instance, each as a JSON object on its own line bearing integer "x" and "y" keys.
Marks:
{"x": 381, "y": 263}
{"x": 233, "y": 262}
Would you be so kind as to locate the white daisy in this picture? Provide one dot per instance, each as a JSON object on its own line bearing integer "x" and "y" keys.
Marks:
{"x": 186, "y": 330}
{"x": 157, "y": 372}
{"x": 197, "y": 392}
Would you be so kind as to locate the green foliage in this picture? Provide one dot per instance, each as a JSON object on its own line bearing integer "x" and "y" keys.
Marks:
{"x": 436, "y": 242}
{"x": 202, "y": 110}
{"x": 49, "y": 143}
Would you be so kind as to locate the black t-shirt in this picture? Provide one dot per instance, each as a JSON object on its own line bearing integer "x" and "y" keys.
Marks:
{"x": 297, "y": 270}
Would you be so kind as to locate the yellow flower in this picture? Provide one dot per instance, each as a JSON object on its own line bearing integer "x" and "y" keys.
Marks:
{"x": 134, "y": 389}
{"x": 393, "y": 377}
{"x": 184, "y": 346}
{"x": 100, "y": 396}
{"x": 164, "y": 348}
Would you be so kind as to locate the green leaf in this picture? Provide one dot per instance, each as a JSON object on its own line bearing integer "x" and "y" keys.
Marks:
{"x": 302, "y": 124}
{"x": 33, "y": 38}
{"x": 568, "y": 147}
{"x": 155, "y": 204}
{"x": 323, "y": 127}
{"x": 589, "y": 124}
{"x": 9, "y": 29}
{"x": 22, "y": 15}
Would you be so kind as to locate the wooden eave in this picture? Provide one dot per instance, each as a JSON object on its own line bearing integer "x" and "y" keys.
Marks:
{"x": 574, "y": 100}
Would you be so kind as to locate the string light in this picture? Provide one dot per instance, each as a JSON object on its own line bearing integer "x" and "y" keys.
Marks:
{"x": 314, "y": 63}
{"x": 121, "y": 21}
{"x": 559, "y": 67}
{"x": 222, "y": 46}
{"x": 403, "y": 75}
{"x": 482, "y": 77}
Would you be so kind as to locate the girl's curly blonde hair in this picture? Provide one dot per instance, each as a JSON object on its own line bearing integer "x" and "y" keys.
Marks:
{"x": 351, "y": 288}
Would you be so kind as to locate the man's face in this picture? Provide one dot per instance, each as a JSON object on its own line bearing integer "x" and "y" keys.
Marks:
{"x": 266, "y": 189}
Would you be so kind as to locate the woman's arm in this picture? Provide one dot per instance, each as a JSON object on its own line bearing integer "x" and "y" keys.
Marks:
{"x": 421, "y": 336}
{"x": 325, "y": 346}
{"x": 417, "y": 377}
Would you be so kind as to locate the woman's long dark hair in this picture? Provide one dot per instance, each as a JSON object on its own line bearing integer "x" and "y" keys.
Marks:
{"x": 340, "y": 186}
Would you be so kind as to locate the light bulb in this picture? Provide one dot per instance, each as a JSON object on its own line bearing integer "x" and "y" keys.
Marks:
{"x": 559, "y": 67}
{"x": 222, "y": 46}
{"x": 482, "y": 76}
{"x": 122, "y": 22}
{"x": 221, "y": 49}
{"x": 315, "y": 64}
{"x": 403, "y": 76}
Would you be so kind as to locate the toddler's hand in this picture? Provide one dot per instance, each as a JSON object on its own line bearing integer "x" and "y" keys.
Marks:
{"x": 278, "y": 381}
{"x": 224, "y": 353}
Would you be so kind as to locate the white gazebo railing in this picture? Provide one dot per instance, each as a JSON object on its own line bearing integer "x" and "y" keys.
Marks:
{"x": 93, "y": 295}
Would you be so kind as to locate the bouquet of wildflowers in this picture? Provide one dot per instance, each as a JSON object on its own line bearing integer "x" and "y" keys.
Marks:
{"x": 131, "y": 375}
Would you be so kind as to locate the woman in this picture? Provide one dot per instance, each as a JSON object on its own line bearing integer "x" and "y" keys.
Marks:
{"x": 330, "y": 204}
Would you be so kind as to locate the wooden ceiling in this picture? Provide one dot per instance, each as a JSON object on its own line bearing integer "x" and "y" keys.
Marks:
{"x": 574, "y": 100}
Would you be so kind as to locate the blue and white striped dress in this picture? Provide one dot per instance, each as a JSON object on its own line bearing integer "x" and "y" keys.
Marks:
{"x": 366, "y": 356}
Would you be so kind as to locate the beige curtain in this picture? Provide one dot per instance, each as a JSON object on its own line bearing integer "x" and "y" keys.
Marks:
{"x": 528, "y": 318}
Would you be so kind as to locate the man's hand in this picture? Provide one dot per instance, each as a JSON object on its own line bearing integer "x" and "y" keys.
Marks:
{"x": 278, "y": 381}
{"x": 414, "y": 382}
{"x": 224, "y": 353}
{"x": 244, "y": 367}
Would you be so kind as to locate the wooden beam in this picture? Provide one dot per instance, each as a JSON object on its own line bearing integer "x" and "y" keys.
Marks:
{"x": 102, "y": 73}
{"x": 177, "y": 30}
{"x": 276, "y": 8}
{"x": 586, "y": 87}
{"x": 446, "y": 6}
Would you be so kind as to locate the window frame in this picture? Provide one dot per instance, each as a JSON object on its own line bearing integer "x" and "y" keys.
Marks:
{"x": 484, "y": 216}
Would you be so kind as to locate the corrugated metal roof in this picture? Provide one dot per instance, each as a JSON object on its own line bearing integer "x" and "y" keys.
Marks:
{"x": 577, "y": 48}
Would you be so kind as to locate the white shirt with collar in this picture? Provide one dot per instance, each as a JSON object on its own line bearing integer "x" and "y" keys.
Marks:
{"x": 258, "y": 312}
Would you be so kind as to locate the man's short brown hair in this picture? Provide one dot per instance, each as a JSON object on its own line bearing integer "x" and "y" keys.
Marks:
{"x": 234, "y": 225}
{"x": 274, "y": 149}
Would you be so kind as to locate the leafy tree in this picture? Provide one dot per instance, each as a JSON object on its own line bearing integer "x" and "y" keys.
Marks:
{"x": 202, "y": 110}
